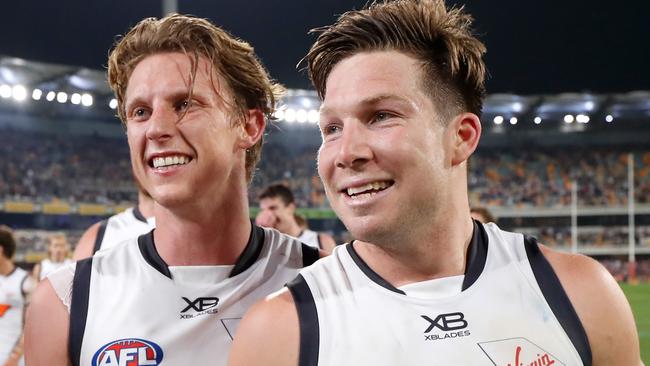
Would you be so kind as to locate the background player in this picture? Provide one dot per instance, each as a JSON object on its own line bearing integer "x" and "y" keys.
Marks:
{"x": 15, "y": 287}
{"x": 278, "y": 211}
{"x": 58, "y": 250}
{"x": 194, "y": 101}
{"x": 402, "y": 88}
{"x": 482, "y": 214}
{"x": 130, "y": 223}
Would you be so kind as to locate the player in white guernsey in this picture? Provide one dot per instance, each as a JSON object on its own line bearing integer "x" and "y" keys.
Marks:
{"x": 278, "y": 210}
{"x": 15, "y": 286}
{"x": 58, "y": 250}
{"x": 424, "y": 284}
{"x": 194, "y": 101}
{"x": 128, "y": 224}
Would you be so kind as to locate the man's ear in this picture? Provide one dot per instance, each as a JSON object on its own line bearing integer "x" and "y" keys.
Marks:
{"x": 466, "y": 129}
{"x": 252, "y": 128}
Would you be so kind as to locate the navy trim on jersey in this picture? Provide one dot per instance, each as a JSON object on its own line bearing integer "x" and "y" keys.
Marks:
{"x": 22, "y": 286}
{"x": 557, "y": 299}
{"x": 363, "y": 266}
{"x": 150, "y": 254}
{"x": 476, "y": 255}
{"x": 252, "y": 251}
{"x": 79, "y": 308}
{"x": 320, "y": 246}
{"x": 309, "y": 255}
{"x": 308, "y": 319}
{"x": 138, "y": 215}
{"x": 100, "y": 235}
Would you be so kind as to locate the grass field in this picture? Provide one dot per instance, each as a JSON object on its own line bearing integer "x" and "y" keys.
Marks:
{"x": 639, "y": 297}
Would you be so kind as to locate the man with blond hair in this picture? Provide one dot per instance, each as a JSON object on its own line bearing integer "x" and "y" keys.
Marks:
{"x": 194, "y": 101}
{"x": 402, "y": 89}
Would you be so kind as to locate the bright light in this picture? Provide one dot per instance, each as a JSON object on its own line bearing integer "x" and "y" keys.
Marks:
{"x": 86, "y": 100}
{"x": 513, "y": 120}
{"x": 582, "y": 118}
{"x": 589, "y": 105}
{"x": 609, "y": 118}
{"x": 61, "y": 97}
{"x": 50, "y": 96}
{"x": 5, "y": 91}
{"x": 19, "y": 92}
{"x": 498, "y": 120}
{"x": 537, "y": 120}
{"x": 36, "y": 94}
{"x": 568, "y": 118}
{"x": 301, "y": 116}
{"x": 290, "y": 115}
{"x": 113, "y": 104}
{"x": 306, "y": 102}
{"x": 75, "y": 98}
{"x": 517, "y": 107}
{"x": 313, "y": 116}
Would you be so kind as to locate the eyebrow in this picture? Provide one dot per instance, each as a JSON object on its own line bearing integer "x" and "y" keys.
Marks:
{"x": 372, "y": 101}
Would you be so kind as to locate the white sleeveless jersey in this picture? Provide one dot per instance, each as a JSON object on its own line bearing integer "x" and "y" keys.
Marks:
{"x": 310, "y": 237}
{"x": 127, "y": 224}
{"x": 48, "y": 266}
{"x": 129, "y": 307}
{"x": 508, "y": 309}
{"x": 12, "y": 303}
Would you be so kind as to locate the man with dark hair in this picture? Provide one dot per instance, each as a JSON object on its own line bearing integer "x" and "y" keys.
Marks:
{"x": 15, "y": 287}
{"x": 402, "y": 89}
{"x": 278, "y": 211}
{"x": 194, "y": 101}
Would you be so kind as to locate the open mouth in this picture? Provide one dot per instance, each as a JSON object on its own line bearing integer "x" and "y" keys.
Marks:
{"x": 369, "y": 189}
{"x": 161, "y": 162}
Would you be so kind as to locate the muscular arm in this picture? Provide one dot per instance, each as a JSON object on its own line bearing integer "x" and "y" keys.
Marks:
{"x": 46, "y": 328}
{"x": 86, "y": 244}
{"x": 327, "y": 243}
{"x": 601, "y": 307}
{"x": 269, "y": 334}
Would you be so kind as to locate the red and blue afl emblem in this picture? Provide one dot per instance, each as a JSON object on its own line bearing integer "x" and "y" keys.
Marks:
{"x": 128, "y": 352}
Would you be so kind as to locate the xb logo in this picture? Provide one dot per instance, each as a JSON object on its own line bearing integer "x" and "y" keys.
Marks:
{"x": 446, "y": 322}
{"x": 200, "y": 304}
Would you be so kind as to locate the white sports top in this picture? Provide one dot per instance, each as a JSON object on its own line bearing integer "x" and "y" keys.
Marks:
{"x": 127, "y": 304}
{"x": 310, "y": 237}
{"x": 508, "y": 309}
{"x": 12, "y": 303}
{"x": 127, "y": 224}
{"x": 48, "y": 266}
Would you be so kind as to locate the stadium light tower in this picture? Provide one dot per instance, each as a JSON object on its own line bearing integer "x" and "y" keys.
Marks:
{"x": 169, "y": 7}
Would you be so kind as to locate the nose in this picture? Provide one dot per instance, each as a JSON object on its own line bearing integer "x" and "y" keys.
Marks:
{"x": 354, "y": 148}
{"x": 162, "y": 124}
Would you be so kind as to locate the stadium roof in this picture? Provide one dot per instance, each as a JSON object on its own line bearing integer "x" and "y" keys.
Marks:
{"x": 534, "y": 47}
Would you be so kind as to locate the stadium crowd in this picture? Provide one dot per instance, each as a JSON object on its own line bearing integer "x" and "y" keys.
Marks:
{"x": 45, "y": 167}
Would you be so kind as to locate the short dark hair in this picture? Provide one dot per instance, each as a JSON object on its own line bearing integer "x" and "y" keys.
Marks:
{"x": 7, "y": 241}
{"x": 483, "y": 211}
{"x": 277, "y": 190}
{"x": 441, "y": 39}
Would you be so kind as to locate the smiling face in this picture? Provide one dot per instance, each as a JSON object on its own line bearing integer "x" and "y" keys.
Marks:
{"x": 386, "y": 159}
{"x": 182, "y": 150}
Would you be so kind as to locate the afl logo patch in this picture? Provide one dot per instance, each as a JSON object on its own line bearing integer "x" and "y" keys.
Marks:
{"x": 128, "y": 352}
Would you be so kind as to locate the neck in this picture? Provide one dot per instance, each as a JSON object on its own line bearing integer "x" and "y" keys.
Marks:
{"x": 6, "y": 266}
{"x": 437, "y": 250}
{"x": 293, "y": 229}
{"x": 145, "y": 205}
{"x": 215, "y": 234}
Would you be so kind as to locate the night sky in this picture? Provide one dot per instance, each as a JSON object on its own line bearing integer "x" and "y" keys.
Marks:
{"x": 534, "y": 47}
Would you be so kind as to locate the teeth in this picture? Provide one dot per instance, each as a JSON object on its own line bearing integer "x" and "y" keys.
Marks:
{"x": 159, "y": 162}
{"x": 374, "y": 186}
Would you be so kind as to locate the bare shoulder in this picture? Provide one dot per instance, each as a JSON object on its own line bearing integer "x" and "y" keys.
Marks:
{"x": 601, "y": 307}
{"x": 46, "y": 328}
{"x": 86, "y": 244}
{"x": 269, "y": 333}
